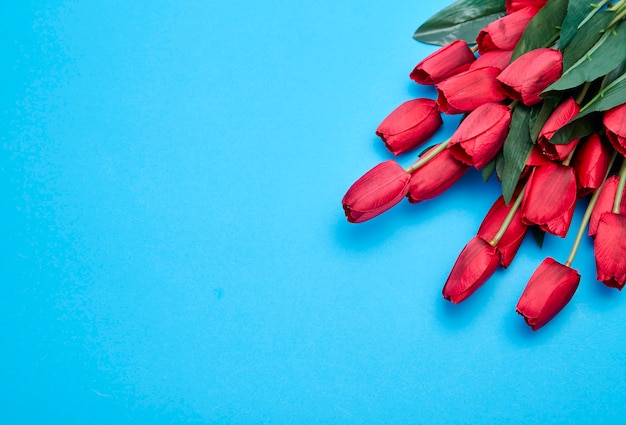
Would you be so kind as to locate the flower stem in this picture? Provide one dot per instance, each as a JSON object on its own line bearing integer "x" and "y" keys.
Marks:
{"x": 587, "y": 216}
{"x": 508, "y": 219}
{"x": 430, "y": 154}
{"x": 583, "y": 93}
{"x": 620, "y": 188}
{"x": 596, "y": 9}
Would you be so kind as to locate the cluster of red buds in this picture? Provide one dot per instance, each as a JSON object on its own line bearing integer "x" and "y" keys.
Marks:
{"x": 542, "y": 90}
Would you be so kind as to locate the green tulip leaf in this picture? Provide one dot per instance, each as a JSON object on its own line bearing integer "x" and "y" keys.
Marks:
{"x": 516, "y": 149}
{"x": 488, "y": 170}
{"x": 538, "y": 235}
{"x": 574, "y": 130}
{"x": 609, "y": 97}
{"x": 540, "y": 115}
{"x": 606, "y": 55}
{"x": 544, "y": 28}
{"x": 462, "y": 20}
{"x": 578, "y": 12}
{"x": 585, "y": 38}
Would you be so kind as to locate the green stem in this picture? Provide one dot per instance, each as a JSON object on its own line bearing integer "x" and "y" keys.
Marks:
{"x": 587, "y": 216}
{"x": 508, "y": 219}
{"x": 620, "y": 188}
{"x": 430, "y": 154}
{"x": 596, "y": 7}
{"x": 583, "y": 93}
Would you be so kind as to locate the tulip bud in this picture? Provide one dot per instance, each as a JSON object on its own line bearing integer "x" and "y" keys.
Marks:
{"x": 591, "y": 163}
{"x": 435, "y": 177}
{"x": 604, "y": 203}
{"x": 610, "y": 250}
{"x": 615, "y": 122}
{"x": 504, "y": 33}
{"x": 513, "y": 236}
{"x": 445, "y": 62}
{"x": 530, "y": 74}
{"x": 410, "y": 125}
{"x": 476, "y": 263}
{"x": 513, "y": 5}
{"x": 481, "y": 134}
{"x": 468, "y": 90}
{"x": 549, "y": 289}
{"x": 558, "y": 118}
{"x": 498, "y": 58}
{"x": 375, "y": 192}
{"x": 550, "y": 198}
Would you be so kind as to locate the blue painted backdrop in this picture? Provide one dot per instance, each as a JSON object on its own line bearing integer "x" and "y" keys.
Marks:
{"x": 173, "y": 249}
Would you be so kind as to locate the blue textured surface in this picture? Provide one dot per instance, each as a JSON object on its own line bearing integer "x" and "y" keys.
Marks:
{"x": 173, "y": 248}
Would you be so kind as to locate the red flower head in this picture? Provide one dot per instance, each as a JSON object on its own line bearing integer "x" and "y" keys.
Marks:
{"x": 615, "y": 122}
{"x": 375, "y": 192}
{"x": 513, "y": 5}
{"x": 591, "y": 162}
{"x": 527, "y": 76}
{"x": 513, "y": 236}
{"x": 604, "y": 203}
{"x": 449, "y": 60}
{"x": 550, "y": 198}
{"x": 435, "y": 177}
{"x": 559, "y": 117}
{"x": 610, "y": 250}
{"x": 468, "y": 90}
{"x": 498, "y": 58}
{"x": 410, "y": 125}
{"x": 504, "y": 33}
{"x": 549, "y": 289}
{"x": 481, "y": 134}
{"x": 476, "y": 263}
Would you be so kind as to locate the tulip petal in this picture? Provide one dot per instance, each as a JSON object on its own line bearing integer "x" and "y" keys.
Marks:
{"x": 547, "y": 292}
{"x": 550, "y": 198}
{"x": 435, "y": 177}
{"x": 610, "y": 250}
{"x": 468, "y": 90}
{"x": 376, "y": 191}
{"x": 476, "y": 263}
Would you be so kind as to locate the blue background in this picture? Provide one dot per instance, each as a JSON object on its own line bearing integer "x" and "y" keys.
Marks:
{"x": 173, "y": 248}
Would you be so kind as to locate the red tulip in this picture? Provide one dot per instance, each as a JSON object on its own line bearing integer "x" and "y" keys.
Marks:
{"x": 435, "y": 177}
{"x": 615, "y": 122}
{"x": 559, "y": 117}
{"x": 549, "y": 289}
{"x": 476, "y": 263}
{"x": 513, "y": 5}
{"x": 504, "y": 33}
{"x": 449, "y": 60}
{"x": 527, "y": 76}
{"x": 604, "y": 203}
{"x": 375, "y": 192}
{"x": 513, "y": 236}
{"x": 610, "y": 250}
{"x": 498, "y": 58}
{"x": 481, "y": 134}
{"x": 550, "y": 198}
{"x": 410, "y": 125}
{"x": 468, "y": 90}
{"x": 591, "y": 162}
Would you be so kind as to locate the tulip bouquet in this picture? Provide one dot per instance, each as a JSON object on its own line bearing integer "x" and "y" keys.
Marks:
{"x": 541, "y": 85}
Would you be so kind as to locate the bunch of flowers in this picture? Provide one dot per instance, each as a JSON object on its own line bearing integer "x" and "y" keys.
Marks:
{"x": 541, "y": 85}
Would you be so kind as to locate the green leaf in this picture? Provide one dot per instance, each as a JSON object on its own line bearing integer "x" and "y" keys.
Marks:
{"x": 606, "y": 55}
{"x": 585, "y": 38}
{"x": 462, "y": 20}
{"x": 577, "y": 12}
{"x": 516, "y": 149}
{"x": 574, "y": 130}
{"x": 544, "y": 28}
{"x": 611, "y": 96}
{"x": 488, "y": 170}
{"x": 539, "y": 116}
{"x": 539, "y": 235}
{"x": 499, "y": 165}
